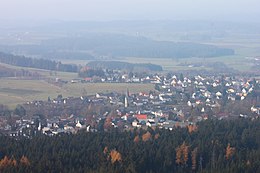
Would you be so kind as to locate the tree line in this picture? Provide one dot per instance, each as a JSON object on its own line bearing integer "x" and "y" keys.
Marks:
{"x": 46, "y": 64}
{"x": 210, "y": 146}
{"x": 115, "y": 45}
{"x": 9, "y": 72}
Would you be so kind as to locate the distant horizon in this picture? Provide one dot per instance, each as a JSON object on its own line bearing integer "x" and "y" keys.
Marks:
{"x": 114, "y": 10}
{"x": 43, "y": 22}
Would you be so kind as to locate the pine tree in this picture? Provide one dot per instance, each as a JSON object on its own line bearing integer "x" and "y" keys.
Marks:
{"x": 156, "y": 136}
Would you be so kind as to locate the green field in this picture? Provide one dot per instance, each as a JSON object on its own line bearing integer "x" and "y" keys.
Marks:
{"x": 14, "y": 91}
{"x": 17, "y": 91}
{"x": 237, "y": 62}
{"x": 46, "y": 73}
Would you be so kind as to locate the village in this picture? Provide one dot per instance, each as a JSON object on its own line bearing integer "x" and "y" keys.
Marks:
{"x": 176, "y": 101}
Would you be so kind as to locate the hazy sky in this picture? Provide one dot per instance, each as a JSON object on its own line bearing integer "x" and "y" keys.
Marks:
{"x": 129, "y": 9}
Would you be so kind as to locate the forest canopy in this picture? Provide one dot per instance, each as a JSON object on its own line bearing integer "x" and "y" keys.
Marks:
{"x": 210, "y": 146}
{"x": 111, "y": 65}
{"x": 46, "y": 64}
{"x": 135, "y": 46}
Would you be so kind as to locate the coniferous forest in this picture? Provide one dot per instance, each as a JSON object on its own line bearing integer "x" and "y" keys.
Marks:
{"x": 210, "y": 146}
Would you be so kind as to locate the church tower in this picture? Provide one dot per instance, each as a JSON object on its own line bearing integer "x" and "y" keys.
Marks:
{"x": 126, "y": 98}
{"x": 126, "y": 101}
{"x": 40, "y": 126}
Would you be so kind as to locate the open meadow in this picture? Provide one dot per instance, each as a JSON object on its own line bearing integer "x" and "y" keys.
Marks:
{"x": 17, "y": 91}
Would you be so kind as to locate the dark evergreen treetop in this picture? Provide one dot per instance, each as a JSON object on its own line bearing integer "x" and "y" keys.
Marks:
{"x": 213, "y": 146}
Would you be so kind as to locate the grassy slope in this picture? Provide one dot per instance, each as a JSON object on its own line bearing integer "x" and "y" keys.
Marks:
{"x": 15, "y": 91}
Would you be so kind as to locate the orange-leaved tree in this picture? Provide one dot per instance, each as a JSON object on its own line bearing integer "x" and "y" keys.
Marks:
{"x": 5, "y": 162}
{"x": 115, "y": 156}
{"x": 194, "y": 158}
{"x": 136, "y": 139}
{"x": 146, "y": 136}
{"x": 230, "y": 151}
{"x": 25, "y": 161}
{"x": 182, "y": 154}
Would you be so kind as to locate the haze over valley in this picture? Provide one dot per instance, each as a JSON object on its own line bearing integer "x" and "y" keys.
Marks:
{"x": 129, "y": 86}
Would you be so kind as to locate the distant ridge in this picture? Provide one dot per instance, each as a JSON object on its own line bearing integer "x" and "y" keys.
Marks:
{"x": 117, "y": 45}
{"x": 45, "y": 64}
{"x": 124, "y": 66}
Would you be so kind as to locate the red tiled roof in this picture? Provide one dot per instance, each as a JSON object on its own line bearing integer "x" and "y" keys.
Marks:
{"x": 88, "y": 78}
{"x": 141, "y": 116}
